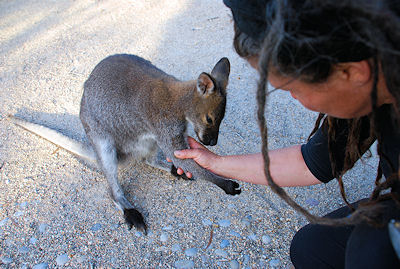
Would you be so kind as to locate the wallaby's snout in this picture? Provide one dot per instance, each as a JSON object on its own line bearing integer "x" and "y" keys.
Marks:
{"x": 207, "y": 136}
{"x": 210, "y": 139}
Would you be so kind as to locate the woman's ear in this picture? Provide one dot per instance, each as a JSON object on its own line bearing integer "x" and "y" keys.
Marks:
{"x": 356, "y": 72}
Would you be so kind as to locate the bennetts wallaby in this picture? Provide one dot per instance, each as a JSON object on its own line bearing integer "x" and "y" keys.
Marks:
{"x": 130, "y": 108}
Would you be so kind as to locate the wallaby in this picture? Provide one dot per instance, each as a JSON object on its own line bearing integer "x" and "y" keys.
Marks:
{"x": 130, "y": 108}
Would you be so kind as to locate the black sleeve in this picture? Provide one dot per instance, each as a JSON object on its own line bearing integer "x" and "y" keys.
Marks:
{"x": 316, "y": 153}
{"x": 316, "y": 156}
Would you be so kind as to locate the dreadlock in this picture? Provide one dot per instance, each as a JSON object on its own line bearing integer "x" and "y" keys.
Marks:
{"x": 304, "y": 39}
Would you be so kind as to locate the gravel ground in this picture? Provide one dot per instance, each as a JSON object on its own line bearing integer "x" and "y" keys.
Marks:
{"x": 55, "y": 210}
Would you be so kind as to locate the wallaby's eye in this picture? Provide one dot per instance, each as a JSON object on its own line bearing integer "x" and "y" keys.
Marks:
{"x": 209, "y": 120}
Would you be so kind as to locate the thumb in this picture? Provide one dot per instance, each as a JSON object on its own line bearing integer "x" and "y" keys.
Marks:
{"x": 193, "y": 144}
{"x": 186, "y": 153}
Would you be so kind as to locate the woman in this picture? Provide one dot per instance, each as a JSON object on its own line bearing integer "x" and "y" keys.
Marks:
{"x": 342, "y": 59}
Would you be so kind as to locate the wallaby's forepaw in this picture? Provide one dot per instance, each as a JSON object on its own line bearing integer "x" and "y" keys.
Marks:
{"x": 174, "y": 172}
{"x": 231, "y": 187}
{"x": 134, "y": 218}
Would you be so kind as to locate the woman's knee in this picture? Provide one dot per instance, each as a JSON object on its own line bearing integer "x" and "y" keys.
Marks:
{"x": 298, "y": 247}
{"x": 318, "y": 246}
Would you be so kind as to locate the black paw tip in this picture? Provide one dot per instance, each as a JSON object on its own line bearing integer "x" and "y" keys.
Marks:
{"x": 235, "y": 189}
{"x": 174, "y": 171}
{"x": 135, "y": 218}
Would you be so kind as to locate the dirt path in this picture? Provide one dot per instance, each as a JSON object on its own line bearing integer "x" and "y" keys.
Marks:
{"x": 55, "y": 210}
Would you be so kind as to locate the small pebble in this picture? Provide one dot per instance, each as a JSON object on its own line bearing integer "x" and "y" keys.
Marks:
{"x": 312, "y": 202}
{"x": 23, "y": 250}
{"x": 252, "y": 237}
{"x": 246, "y": 259}
{"x": 262, "y": 264}
{"x": 6, "y": 260}
{"x": 167, "y": 228}
{"x": 161, "y": 249}
{"x": 82, "y": 259}
{"x": 4, "y": 222}
{"x": 246, "y": 222}
{"x": 176, "y": 248}
{"x": 249, "y": 217}
{"x": 274, "y": 263}
{"x": 43, "y": 227}
{"x": 41, "y": 266}
{"x": 204, "y": 259}
{"x": 62, "y": 259}
{"x": 233, "y": 233}
{"x": 266, "y": 239}
{"x": 221, "y": 253}
{"x": 191, "y": 252}
{"x": 164, "y": 237}
{"x": 33, "y": 240}
{"x": 23, "y": 205}
{"x": 138, "y": 234}
{"x": 207, "y": 222}
{"x": 224, "y": 223}
{"x": 18, "y": 214}
{"x": 115, "y": 226}
{"x": 150, "y": 234}
{"x": 224, "y": 243}
{"x": 234, "y": 264}
{"x": 184, "y": 264}
{"x": 95, "y": 227}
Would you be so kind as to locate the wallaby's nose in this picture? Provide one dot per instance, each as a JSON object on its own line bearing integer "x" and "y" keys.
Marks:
{"x": 213, "y": 141}
{"x": 209, "y": 140}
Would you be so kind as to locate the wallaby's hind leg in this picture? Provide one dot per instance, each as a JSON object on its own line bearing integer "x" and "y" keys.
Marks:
{"x": 107, "y": 158}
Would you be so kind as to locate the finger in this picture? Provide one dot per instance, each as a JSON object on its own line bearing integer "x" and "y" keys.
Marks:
{"x": 169, "y": 160}
{"x": 179, "y": 171}
{"x": 194, "y": 144}
{"x": 184, "y": 154}
{"x": 189, "y": 175}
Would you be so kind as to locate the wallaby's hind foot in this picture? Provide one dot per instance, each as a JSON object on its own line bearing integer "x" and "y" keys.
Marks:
{"x": 135, "y": 218}
{"x": 174, "y": 172}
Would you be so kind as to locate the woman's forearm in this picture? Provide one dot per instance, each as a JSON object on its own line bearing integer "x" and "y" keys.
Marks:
{"x": 286, "y": 165}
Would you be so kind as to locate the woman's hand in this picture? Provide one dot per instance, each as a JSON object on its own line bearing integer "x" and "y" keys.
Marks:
{"x": 199, "y": 153}
{"x": 287, "y": 165}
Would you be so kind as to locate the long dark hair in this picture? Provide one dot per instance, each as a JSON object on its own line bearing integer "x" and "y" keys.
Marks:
{"x": 304, "y": 40}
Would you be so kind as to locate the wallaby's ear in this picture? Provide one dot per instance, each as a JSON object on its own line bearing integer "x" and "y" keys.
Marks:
{"x": 205, "y": 84}
{"x": 221, "y": 71}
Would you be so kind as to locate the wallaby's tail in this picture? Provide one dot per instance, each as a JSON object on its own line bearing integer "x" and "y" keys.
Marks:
{"x": 56, "y": 138}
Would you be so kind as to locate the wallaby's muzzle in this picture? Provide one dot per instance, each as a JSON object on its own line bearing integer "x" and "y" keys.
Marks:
{"x": 210, "y": 142}
{"x": 209, "y": 139}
